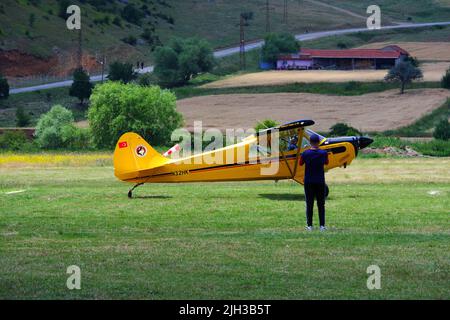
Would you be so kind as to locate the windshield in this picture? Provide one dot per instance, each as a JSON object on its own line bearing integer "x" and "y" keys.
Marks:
{"x": 309, "y": 133}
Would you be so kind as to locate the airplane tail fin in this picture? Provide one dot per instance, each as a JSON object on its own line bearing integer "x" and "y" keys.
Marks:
{"x": 133, "y": 154}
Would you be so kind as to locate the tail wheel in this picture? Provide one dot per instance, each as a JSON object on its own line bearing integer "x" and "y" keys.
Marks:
{"x": 327, "y": 191}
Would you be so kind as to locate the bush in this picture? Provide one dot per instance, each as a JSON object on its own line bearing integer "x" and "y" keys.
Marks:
{"x": 342, "y": 129}
{"x": 151, "y": 37}
{"x": 117, "y": 21}
{"x": 13, "y": 140}
{"x": 147, "y": 79}
{"x": 55, "y": 129}
{"x": 132, "y": 14}
{"x": 4, "y": 88}
{"x": 117, "y": 108}
{"x": 445, "y": 82}
{"x": 276, "y": 44}
{"x": 131, "y": 40}
{"x": 435, "y": 148}
{"x": 442, "y": 130}
{"x": 121, "y": 72}
{"x": 22, "y": 118}
{"x": 265, "y": 124}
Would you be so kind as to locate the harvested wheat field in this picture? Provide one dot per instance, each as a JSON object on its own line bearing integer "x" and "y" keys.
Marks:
{"x": 427, "y": 51}
{"x": 370, "y": 112}
{"x": 431, "y": 72}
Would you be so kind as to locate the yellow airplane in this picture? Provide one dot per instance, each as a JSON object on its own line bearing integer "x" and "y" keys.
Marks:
{"x": 135, "y": 161}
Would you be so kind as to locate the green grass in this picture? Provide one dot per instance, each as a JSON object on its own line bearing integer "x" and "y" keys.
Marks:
{"x": 434, "y": 147}
{"x": 344, "y": 89}
{"x": 225, "y": 240}
{"x": 401, "y": 10}
{"x": 215, "y": 21}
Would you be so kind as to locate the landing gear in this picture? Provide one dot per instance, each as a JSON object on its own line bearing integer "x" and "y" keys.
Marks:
{"x": 327, "y": 191}
{"x": 130, "y": 192}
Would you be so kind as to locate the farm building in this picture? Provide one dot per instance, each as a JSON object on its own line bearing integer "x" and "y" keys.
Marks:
{"x": 350, "y": 59}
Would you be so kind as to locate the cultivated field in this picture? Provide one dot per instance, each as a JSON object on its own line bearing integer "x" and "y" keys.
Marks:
{"x": 431, "y": 72}
{"x": 225, "y": 240}
{"x": 425, "y": 51}
{"x": 370, "y": 112}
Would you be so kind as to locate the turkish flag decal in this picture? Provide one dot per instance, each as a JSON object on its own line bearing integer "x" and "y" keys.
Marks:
{"x": 123, "y": 144}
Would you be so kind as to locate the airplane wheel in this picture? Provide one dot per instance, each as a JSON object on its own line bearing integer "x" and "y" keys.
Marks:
{"x": 130, "y": 194}
{"x": 327, "y": 191}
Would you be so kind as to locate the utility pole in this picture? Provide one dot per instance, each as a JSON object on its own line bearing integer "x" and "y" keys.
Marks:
{"x": 242, "y": 43}
{"x": 267, "y": 9}
{"x": 80, "y": 50}
{"x": 243, "y": 22}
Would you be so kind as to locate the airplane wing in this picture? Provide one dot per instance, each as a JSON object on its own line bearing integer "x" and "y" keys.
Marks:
{"x": 288, "y": 126}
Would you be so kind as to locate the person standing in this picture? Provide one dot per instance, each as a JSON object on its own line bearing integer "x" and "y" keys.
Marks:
{"x": 314, "y": 160}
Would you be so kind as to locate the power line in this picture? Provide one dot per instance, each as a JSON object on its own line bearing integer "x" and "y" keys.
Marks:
{"x": 268, "y": 8}
{"x": 243, "y": 22}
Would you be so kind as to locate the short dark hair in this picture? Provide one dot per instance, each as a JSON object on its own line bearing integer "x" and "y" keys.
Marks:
{"x": 314, "y": 138}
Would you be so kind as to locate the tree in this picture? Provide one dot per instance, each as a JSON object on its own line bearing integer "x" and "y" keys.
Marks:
{"x": 404, "y": 72}
{"x": 121, "y": 72}
{"x": 131, "y": 40}
{"x": 151, "y": 38}
{"x": 4, "y": 88}
{"x": 81, "y": 86}
{"x": 132, "y": 14}
{"x": 22, "y": 118}
{"x": 167, "y": 67}
{"x": 276, "y": 44}
{"x": 117, "y": 108}
{"x": 266, "y": 124}
{"x": 181, "y": 60}
{"x": 442, "y": 130}
{"x": 62, "y": 8}
{"x": 56, "y": 129}
{"x": 445, "y": 82}
{"x": 343, "y": 129}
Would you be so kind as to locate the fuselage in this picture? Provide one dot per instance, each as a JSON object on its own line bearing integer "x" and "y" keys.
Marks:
{"x": 244, "y": 162}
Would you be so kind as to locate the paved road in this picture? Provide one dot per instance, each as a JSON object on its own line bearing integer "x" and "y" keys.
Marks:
{"x": 251, "y": 46}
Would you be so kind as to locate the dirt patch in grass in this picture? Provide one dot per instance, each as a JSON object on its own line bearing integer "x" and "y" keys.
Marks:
{"x": 370, "y": 112}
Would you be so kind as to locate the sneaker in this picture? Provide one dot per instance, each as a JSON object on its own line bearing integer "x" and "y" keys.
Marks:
{"x": 323, "y": 228}
{"x": 309, "y": 228}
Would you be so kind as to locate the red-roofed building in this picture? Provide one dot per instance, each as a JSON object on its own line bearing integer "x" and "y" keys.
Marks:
{"x": 350, "y": 59}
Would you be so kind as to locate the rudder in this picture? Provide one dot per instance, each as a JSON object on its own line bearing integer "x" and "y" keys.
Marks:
{"x": 133, "y": 154}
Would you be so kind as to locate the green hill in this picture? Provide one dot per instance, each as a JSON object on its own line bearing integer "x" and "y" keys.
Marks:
{"x": 36, "y": 29}
{"x": 34, "y": 38}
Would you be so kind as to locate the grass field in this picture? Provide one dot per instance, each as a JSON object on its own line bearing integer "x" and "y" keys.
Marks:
{"x": 225, "y": 240}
